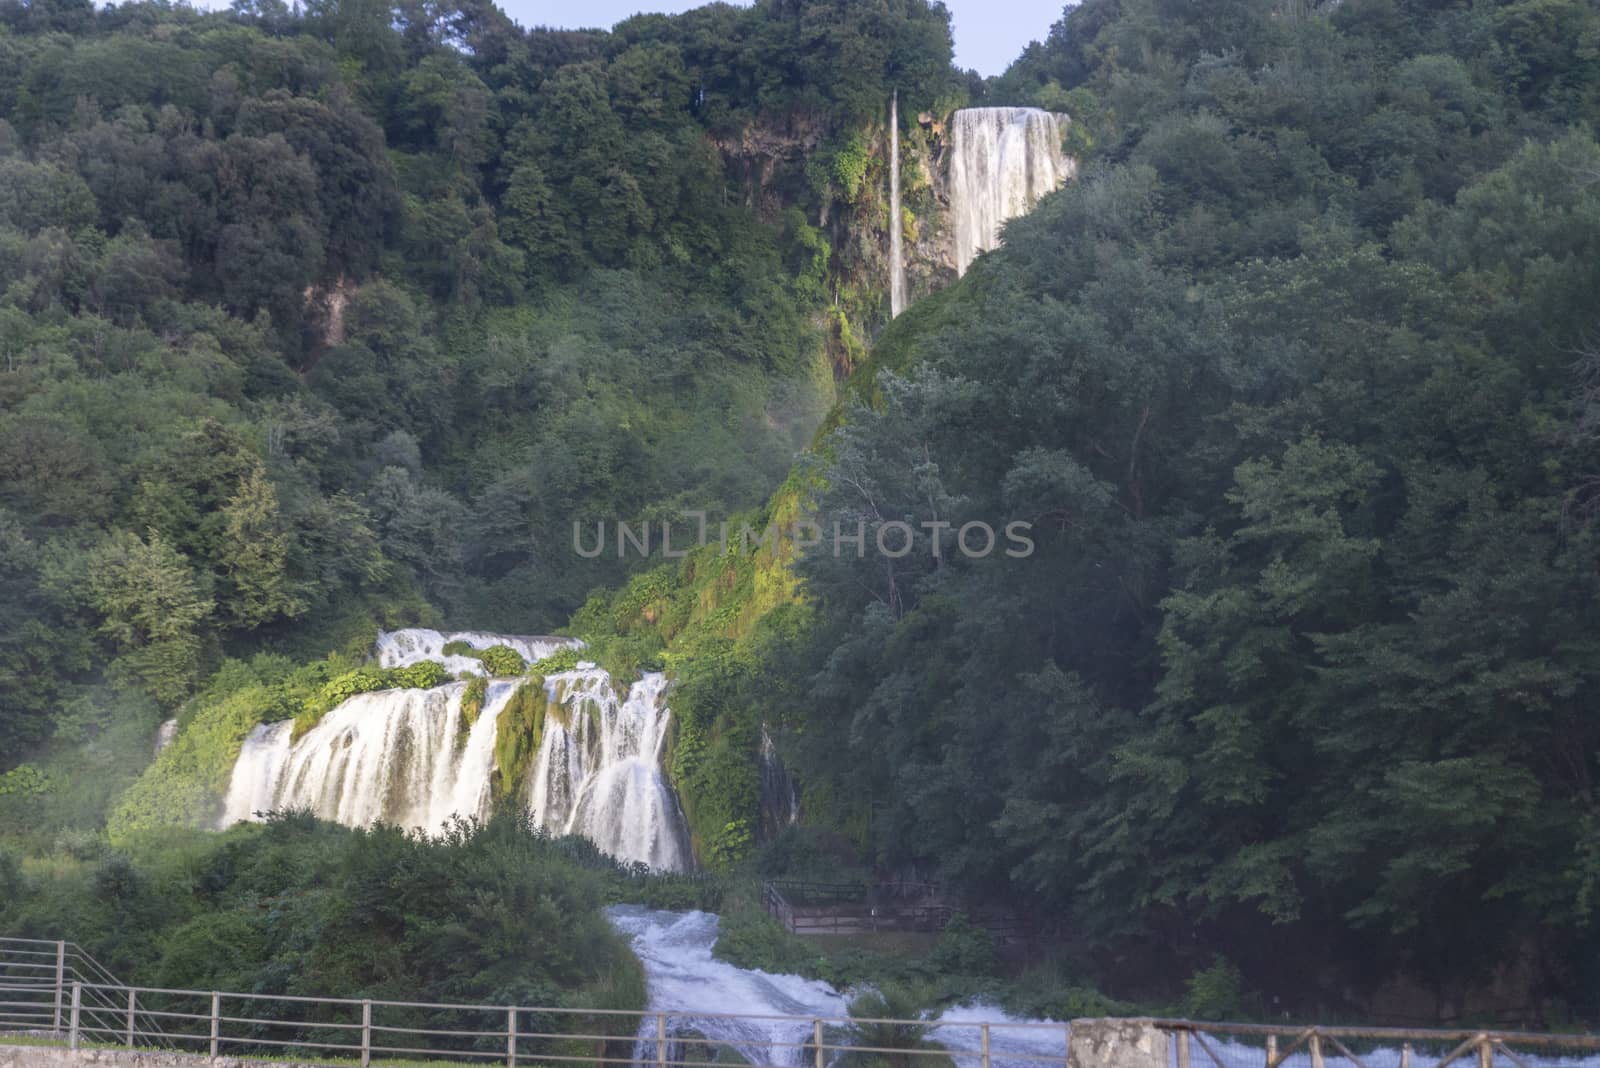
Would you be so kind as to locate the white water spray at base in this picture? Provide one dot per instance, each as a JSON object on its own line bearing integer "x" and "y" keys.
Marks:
{"x": 768, "y": 1019}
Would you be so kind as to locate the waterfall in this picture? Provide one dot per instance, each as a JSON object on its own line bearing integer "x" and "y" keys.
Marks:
{"x": 1002, "y": 160}
{"x": 167, "y": 733}
{"x": 390, "y": 756}
{"x": 780, "y": 800}
{"x": 897, "y": 263}
{"x": 399, "y": 756}
{"x": 598, "y": 770}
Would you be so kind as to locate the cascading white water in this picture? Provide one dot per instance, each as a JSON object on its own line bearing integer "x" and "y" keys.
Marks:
{"x": 390, "y": 756}
{"x": 398, "y": 756}
{"x": 897, "y": 262}
{"x": 402, "y": 648}
{"x": 1002, "y": 160}
{"x": 685, "y": 979}
{"x": 598, "y": 770}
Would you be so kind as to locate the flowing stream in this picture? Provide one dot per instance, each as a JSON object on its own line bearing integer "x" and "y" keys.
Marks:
{"x": 768, "y": 1019}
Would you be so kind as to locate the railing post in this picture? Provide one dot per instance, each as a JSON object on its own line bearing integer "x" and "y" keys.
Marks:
{"x": 816, "y": 1032}
{"x": 1485, "y": 1052}
{"x": 1316, "y": 1051}
{"x": 366, "y": 1032}
{"x": 983, "y": 1033}
{"x": 661, "y": 1040}
{"x": 77, "y": 1000}
{"x": 61, "y": 976}
{"x": 216, "y": 1021}
{"x": 1272, "y": 1051}
{"x": 511, "y": 1037}
{"x": 1183, "y": 1049}
{"x": 133, "y": 1000}
{"x": 1405, "y": 1055}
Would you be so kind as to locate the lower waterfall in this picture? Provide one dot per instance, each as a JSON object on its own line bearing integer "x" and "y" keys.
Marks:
{"x": 398, "y": 756}
{"x": 598, "y": 769}
{"x": 1002, "y": 160}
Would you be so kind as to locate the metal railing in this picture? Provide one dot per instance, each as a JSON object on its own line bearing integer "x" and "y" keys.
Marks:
{"x": 57, "y": 989}
{"x": 302, "y": 1030}
{"x": 36, "y": 977}
{"x": 1226, "y": 1045}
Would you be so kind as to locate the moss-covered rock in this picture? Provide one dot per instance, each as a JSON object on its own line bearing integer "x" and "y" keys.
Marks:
{"x": 471, "y": 706}
{"x": 518, "y": 733}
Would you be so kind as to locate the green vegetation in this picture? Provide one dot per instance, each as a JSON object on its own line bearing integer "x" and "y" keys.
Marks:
{"x": 498, "y": 660}
{"x": 299, "y": 907}
{"x": 1296, "y": 388}
{"x": 423, "y": 675}
{"x": 322, "y": 321}
{"x": 518, "y": 731}
{"x": 472, "y": 704}
{"x": 557, "y": 662}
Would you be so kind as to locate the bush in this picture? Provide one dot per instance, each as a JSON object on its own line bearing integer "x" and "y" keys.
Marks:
{"x": 965, "y": 949}
{"x": 1215, "y": 993}
{"x": 423, "y": 675}
{"x": 502, "y": 660}
{"x": 557, "y": 662}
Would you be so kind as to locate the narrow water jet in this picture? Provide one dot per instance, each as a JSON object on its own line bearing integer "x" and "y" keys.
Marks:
{"x": 897, "y": 264}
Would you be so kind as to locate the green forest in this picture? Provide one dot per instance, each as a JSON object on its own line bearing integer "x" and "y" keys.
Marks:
{"x": 326, "y": 320}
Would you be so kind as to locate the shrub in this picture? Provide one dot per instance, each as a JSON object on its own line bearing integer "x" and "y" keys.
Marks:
{"x": 502, "y": 660}
{"x": 557, "y": 662}
{"x": 423, "y": 675}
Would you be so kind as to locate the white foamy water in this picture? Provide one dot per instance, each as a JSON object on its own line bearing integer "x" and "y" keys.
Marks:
{"x": 1002, "y": 160}
{"x": 598, "y": 770}
{"x": 773, "y": 1016}
{"x": 402, "y": 648}
{"x": 398, "y": 755}
{"x": 391, "y": 756}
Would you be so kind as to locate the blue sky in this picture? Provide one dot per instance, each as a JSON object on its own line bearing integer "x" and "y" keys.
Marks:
{"x": 989, "y": 33}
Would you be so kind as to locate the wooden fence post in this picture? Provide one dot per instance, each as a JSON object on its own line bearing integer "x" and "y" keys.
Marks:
{"x": 816, "y": 1031}
{"x": 1316, "y": 1051}
{"x": 366, "y": 1033}
{"x": 1272, "y": 1051}
{"x": 661, "y": 1040}
{"x": 133, "y": 1000}
{"x": 983, "y": 1032}
{"x": 1183, "y": 1049}
{"x": 77, "y": 999}
{"x": 511, "y": 1037}
{"x": 1485, "y": 1052}
{"x": 1405, "y": 1055}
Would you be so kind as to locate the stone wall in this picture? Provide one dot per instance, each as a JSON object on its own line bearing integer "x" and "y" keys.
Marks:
{"x": 1131, "y": 1043}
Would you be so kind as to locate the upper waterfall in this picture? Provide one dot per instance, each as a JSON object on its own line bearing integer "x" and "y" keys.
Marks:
{"x": 897, "y": 258}
{"x": 1002, "y": 161}
{"x": 409, "y": 757}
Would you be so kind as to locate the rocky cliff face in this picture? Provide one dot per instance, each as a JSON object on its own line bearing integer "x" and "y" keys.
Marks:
{"x": 841, "y": 184}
